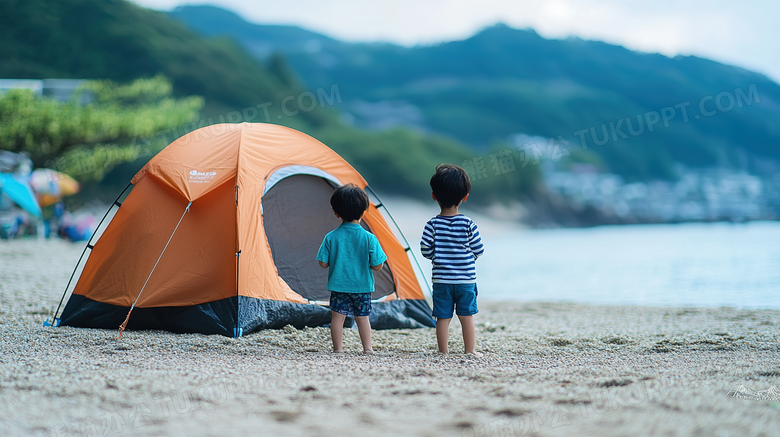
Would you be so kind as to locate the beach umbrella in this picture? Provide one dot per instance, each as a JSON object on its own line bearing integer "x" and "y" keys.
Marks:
{"x": 19, "y": 191}
{"x": 51, "y": 185}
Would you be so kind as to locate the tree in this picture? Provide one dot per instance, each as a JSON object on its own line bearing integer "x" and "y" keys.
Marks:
{"x": 85, "y": 141}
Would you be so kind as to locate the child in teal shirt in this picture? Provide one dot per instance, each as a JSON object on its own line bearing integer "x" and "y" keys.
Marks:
{"x": 350, "y": 253}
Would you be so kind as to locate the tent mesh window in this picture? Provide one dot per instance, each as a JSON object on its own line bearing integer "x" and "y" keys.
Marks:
{"x": 296, "y": 216}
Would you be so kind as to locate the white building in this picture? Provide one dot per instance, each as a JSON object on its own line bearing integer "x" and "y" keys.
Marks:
{"x": 60, "y": 89}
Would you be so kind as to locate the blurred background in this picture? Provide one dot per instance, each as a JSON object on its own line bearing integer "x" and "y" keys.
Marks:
{"x": 620, "y": 152}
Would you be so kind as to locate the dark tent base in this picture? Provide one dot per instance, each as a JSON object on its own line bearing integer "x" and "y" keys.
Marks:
{"x": 219, "y": 317}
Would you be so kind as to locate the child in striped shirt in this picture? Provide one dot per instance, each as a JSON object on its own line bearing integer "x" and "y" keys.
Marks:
{"x": 452, "y": 242}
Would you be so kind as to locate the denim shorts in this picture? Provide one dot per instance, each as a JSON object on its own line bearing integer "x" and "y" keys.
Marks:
{"x": 460, "y": 297}
{"x": 357, "y": 304}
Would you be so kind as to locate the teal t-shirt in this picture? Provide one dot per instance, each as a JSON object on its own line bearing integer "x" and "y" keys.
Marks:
{"x": 350, "y": 251}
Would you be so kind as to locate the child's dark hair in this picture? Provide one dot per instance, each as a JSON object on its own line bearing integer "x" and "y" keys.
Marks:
{"x": 450, "y": 185}
{"x": 349, "y": 202}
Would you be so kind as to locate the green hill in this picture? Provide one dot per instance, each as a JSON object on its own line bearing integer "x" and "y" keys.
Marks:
{"x": 505, "y": 81}
{"x": 212, "y": 21}
{"x": 120, "y": 41}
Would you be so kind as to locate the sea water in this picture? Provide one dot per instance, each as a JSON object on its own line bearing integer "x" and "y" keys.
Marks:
{"x": 700, "y": 264}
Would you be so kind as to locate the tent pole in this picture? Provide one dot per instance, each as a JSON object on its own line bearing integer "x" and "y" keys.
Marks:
{"x": 408, "y": 248}
{"x": 237, "y": 331}
{"x": 88, "y": 246}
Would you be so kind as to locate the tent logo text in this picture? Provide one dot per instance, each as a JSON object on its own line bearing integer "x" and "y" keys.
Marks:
{"x": 201, "y": 177}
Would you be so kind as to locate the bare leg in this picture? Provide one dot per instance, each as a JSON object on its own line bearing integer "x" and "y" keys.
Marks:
{"x": 364, "y": 329}
{"x": 469, "y": 334}
{"x": 337, "y": 330}
{"x": 443, "y": 334}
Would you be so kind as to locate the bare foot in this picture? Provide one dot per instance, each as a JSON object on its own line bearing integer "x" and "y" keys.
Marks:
{"x": 368, "y": 352}
{"x": 340, "y": 351}
{"x": 476, "y": 354}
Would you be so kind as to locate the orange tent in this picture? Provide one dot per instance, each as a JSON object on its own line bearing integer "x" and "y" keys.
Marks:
{"x": 219, "y": 236}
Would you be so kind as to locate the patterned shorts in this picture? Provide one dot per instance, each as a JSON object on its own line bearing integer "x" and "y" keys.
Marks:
{"x": 357, "y": 304}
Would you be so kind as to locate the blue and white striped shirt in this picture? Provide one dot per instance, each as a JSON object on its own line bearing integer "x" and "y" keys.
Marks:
{"x": 453, "y": 244}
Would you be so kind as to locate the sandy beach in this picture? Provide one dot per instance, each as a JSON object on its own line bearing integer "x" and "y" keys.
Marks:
{"x": 550, "y": 369}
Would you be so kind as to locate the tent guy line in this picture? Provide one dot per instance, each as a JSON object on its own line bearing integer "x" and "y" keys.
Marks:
{"x": 124, "y": 324}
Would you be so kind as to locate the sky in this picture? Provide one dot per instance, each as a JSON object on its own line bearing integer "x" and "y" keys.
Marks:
{"x": 746, "y": 33}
